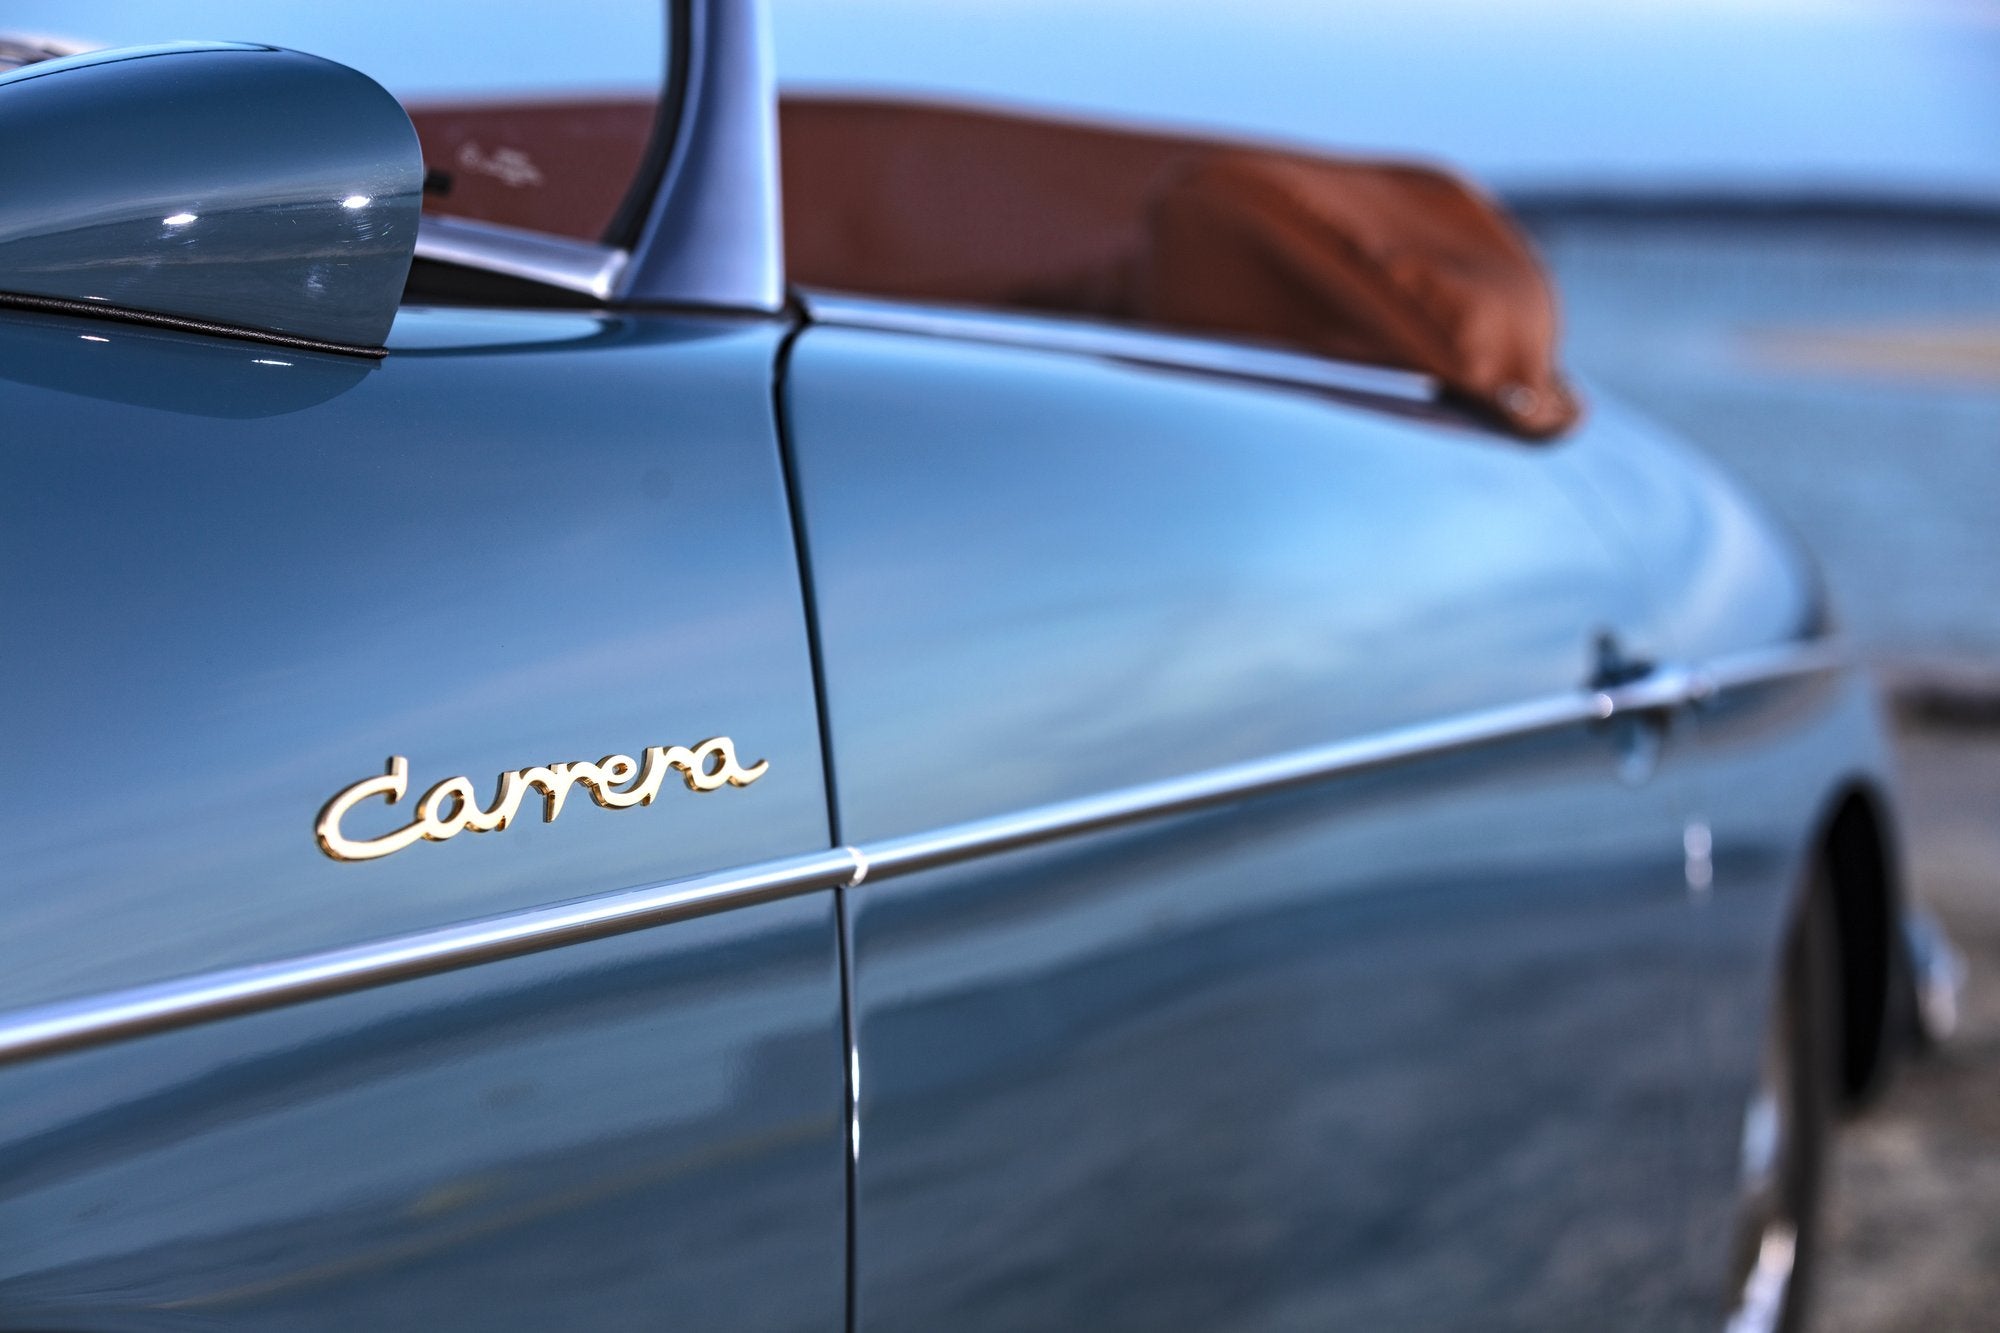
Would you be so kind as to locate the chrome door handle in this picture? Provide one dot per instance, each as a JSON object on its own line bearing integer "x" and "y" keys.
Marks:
{"x": 1614, "y": 667}
{"x": 1634, "y": 698}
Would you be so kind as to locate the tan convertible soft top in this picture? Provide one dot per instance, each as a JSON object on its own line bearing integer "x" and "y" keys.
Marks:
{"x": 1387, "y": 263}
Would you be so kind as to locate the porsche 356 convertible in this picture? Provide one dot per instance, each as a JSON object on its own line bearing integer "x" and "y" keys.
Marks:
{"x": 869, "y": 714}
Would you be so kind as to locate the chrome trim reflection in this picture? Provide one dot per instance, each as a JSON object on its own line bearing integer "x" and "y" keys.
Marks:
{"x": 1939, "y": 971}
{"x": 1235, "y": 782}
{"x": 553, "y": 261}
{"x": 1146, "y": 347}
{"x": 96, "y": 1020}
{"x": 714, "y": 234}
{"x": 1762, "y": 666}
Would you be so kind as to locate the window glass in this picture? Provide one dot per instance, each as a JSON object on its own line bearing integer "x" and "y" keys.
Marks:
{"x": 538, "y": 118}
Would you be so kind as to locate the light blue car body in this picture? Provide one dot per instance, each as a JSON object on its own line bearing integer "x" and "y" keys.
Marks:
{"x": 1233, "y": 852}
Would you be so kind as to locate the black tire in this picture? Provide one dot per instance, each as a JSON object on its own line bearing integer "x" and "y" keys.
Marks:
{"x": 1772, "y": 1278}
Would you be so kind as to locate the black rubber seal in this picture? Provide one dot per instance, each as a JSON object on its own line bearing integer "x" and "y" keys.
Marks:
{"x": 56, "y": 305}
{"x": 669, "y": 122}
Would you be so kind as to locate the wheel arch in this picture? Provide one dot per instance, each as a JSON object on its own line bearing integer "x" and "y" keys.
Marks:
{"x": 1857, "y": 850}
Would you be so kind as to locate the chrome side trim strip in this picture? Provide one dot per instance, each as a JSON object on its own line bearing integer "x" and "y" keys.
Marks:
{"x": 99, "y": 1019}
{"x": 573, "y": 266}
{"x": 1217, "y": 786}
{"x": 1147, "y": 347}
{"x": 1663, "y": 689}
{"x": 1762, "y": 666}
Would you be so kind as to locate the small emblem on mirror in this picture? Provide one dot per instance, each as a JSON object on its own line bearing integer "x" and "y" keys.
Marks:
{"x": 452, "y": 806}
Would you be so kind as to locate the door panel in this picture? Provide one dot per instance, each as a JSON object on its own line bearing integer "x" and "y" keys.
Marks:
{"x": 519, "y": 540}
{"x": 1402, "y": 1049}
{"x": 238, "y": 580}
{"x": 635, "y": 1132}
{"x": 1137, "y": 574}
{"x": 1288, "y": 1066}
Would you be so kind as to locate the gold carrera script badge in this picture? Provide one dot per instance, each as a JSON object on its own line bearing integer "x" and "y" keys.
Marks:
{"x": 453, "y": 805}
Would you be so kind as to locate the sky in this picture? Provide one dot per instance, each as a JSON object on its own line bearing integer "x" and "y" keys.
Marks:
{"x": 414, "y": 48}
{"x": 1783, "y": 96}
{"x": 1900, "y": 96}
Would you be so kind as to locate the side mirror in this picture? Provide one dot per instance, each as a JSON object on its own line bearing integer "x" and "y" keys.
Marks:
{"x": 226, "y": 188}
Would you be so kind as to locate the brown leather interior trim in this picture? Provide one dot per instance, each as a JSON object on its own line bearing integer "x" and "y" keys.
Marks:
{"x": 1384, "y": 263}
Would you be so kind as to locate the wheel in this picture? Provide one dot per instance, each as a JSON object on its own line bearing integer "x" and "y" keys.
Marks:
{"x": 1788, "y": 1130}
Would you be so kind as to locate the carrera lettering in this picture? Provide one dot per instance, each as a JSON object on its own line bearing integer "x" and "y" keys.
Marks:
{"x": 616, "y": 782}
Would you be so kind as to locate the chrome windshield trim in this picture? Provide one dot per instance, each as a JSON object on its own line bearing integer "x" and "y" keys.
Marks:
{"x": 1146, "y": 347}
{"x": 553, "y": 261}
{"x": 100, "y": 1019}
{"x": 714, "y": 234}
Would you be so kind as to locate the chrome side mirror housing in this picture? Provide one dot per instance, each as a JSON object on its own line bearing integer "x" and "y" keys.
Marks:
{"x": 228, "y": 188}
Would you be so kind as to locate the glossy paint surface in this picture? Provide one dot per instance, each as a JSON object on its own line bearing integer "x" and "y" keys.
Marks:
{"x": 269, "y": 190}
{"x": 1406, "y": 1049}
{"x": 1713, "y": 573}
{"x": 1455, "y": 1043}
{"x": 1762, "y": 771}
{"x": 1757, "y": 772}
{"x": 518, "y": 540}
{"x": 626, "y": 1134}
{"x": 1138, "y": 573}
{"x": 236, "y": 582}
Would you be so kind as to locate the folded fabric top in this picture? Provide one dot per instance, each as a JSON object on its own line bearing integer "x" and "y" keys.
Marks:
{"x": 1387, "y": 263}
